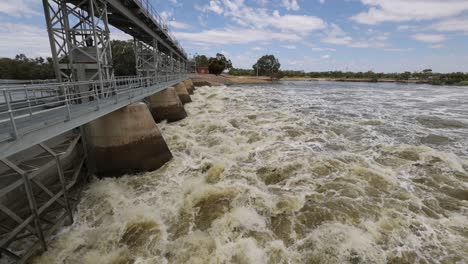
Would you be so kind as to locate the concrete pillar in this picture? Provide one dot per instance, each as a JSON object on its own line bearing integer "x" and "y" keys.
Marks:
{"x": 127, "y": 141}
{"x": 182, "y": 93}
{"x": 166, "y": 105}
{"x": 189, "y": 86}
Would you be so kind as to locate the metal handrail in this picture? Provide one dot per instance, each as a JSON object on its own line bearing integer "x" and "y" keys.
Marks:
{"x": 60, "y": 100}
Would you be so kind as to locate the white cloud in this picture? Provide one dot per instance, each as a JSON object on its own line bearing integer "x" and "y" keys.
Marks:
{"x": 408, "y": 10}
{"x": 289, "y": 46}
{"x": 116, "y": 34}
{"x": 429, "y": 38}
{"x": 166, "y": 15}
{"x": 257, "y": 48}
{"x": 234, "y": 36}
{"x": 22, "y": 38}
{"x": 359, "y": 45}
{"x": 398, "y": 49}
{"x": 453, "y": 24}
{"x": 18, "y": 8}
{"x": 179, "y": 25}
{"x": 261, "y": 18}
{"x": 173, "y": 1}
{"x": 406, "y": 27}
{"x": 337, "y": 36}
{"x": 213, "y": 6}
{"x": 290, "y": 4}
{"x": 313, "y": 47}
{"x": 326, "y": 56}
{"x": 436, "y": 46}
{"x": 303, "y": 24}
{"x": 322, "y": 1}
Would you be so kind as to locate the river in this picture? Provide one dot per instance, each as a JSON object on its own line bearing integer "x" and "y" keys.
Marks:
{"x": 296, "y": 172}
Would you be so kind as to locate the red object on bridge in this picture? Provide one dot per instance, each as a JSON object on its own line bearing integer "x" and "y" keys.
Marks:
{"x": 203, "y": 70}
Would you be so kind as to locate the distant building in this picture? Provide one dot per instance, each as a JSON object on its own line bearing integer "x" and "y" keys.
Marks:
{"x": 203, "y": 70}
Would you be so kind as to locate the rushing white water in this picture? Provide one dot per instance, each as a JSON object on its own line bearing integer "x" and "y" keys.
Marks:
{"x": 300, "y": 172}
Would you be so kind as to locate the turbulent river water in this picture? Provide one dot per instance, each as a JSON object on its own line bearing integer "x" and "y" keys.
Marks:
{"x": 297, "y": 172}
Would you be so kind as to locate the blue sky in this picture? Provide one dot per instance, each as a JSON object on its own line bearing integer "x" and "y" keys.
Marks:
{"x": 311, "y": 35}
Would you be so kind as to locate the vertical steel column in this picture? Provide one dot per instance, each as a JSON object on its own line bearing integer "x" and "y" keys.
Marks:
{"x": 96, "y": 41}
{"x": 50, "y": 31}
{"x": 156, "y": 59}
{"x": 138, "y": 63}
{"x": 172, "y": 64}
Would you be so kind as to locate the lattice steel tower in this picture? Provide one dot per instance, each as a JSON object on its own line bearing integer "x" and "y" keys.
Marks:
{"x": 79, "y": 39}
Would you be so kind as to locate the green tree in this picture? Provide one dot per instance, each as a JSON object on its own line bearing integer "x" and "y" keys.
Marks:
{"x": 24, "y": 68}
{"x": 405, "y": 76}
{"x": 227, "y": 63}
{"x": 267, "y": 65}
{"x": 123, "y": 58}
{"x": 241, "y": 72}
{"x": 218, "y": 64}
{"x": 202, "y": 61}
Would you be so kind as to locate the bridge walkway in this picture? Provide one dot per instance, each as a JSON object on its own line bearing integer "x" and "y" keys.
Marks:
{"x": 23, "y": 125}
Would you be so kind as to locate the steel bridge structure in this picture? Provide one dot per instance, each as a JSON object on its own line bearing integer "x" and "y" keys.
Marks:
{"x": 33, "y": 116}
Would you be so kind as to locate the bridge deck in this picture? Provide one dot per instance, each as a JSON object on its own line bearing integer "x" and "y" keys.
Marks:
{"x": 24, "y": 126}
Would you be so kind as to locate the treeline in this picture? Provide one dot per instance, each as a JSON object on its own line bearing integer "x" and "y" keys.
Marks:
{"x": 24, "y": 68}
{"x": 426, "y": 76}
{"x": 216, "y": 65}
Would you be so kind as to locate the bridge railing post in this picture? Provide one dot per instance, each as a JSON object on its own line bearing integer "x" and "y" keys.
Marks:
{"x": 67, "y": 101}
{"x": 27, "y": 100}
{"x": 10, "y": 113}
{"x": 114, "y": 83}
{"x": 96, "y": 94}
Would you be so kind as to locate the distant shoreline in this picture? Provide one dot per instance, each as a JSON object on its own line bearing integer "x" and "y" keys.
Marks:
{"x": 356, "y": 80}
{"x": 226, "y": 79}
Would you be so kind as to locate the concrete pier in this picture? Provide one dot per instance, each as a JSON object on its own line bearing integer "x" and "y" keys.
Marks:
{"x": 182, "y": 92}
{"x": 127, "y": 141}
{"x": 166, "y": 105}
{"x": 189, "y": 86}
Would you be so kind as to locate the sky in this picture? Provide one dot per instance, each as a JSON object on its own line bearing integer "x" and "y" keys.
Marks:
{"x": 310, "y": 35}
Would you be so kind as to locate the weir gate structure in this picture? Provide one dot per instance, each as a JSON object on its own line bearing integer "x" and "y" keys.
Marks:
{"x": 53, "y": 135}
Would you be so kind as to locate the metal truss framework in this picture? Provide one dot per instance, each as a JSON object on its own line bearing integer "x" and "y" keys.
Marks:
{"x": 49, "y": 203}
{"x": 147, "y": 58}
{"x": 79, "y": 37}
{"x": 152, "y": 62}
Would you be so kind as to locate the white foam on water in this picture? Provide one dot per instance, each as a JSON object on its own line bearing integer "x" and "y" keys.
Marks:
{"x": 277, "y": 174}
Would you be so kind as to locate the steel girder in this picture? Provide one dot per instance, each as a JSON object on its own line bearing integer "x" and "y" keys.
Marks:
{"x": 26, "y": 229}
{"x": 79, "y": 38}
